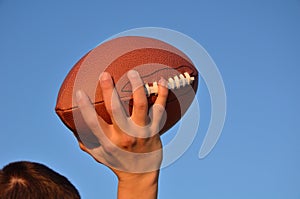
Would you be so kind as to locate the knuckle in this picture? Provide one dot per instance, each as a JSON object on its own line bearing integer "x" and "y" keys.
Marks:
{"x": 140, "y": 104}
{"x": 114, "y": 108}
{"x": 158, "y": 108}
{"x": 127, "y": 141}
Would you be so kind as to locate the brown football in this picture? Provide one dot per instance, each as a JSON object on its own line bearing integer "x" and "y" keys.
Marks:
{"x": 152, "y": 58}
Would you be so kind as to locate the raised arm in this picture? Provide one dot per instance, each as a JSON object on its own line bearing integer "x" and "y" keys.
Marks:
{"x": 130, "y": 146}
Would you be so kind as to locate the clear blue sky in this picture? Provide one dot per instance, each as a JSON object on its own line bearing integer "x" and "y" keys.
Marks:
{"x": 255, "y": 44}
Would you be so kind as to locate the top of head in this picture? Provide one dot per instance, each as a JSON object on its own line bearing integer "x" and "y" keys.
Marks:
{"x": 152, "y": 58}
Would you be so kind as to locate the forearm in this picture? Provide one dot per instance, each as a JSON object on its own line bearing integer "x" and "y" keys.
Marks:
{"x": 136, "y": 186}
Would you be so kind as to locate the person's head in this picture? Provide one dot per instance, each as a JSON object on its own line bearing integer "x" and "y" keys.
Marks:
{"x": 30, "y": 180}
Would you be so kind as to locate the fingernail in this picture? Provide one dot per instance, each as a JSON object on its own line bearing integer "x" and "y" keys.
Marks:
{"x": 78, "y": 95}
{"x": 163, "y": 82}
{"x": 132, "y": 74}
{"x": 104, "y": 76}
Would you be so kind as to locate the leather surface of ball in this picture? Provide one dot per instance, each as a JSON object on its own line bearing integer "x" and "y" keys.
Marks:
{"x": 152, "y": 58}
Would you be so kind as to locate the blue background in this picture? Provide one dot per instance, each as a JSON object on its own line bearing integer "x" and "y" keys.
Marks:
{"x": 255, "y": 44}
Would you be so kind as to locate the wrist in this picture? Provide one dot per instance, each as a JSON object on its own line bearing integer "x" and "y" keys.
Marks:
{"x": 138, "y": 185}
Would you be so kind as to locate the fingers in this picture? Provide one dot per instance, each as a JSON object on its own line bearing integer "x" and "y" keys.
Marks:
{"x": 139, "y": 115}
{"x": 140, "y": 103}
{"x": 107, "y": 87}
{"x": 158, "y": 109}
{"x": 90, "y": 116}
{"x": 162, "y": 92}
{"x": 112, "y": 101}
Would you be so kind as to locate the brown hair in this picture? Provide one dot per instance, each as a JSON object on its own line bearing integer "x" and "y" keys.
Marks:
{"x": 30, "y": 180}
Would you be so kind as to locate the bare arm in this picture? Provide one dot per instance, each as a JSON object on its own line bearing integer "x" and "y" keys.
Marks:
{"x": 130, "y": 147}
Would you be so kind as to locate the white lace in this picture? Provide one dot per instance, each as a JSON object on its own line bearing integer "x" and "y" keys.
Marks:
{"x": 177, "y": 82}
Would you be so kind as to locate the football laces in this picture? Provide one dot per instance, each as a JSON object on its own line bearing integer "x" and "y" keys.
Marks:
{"x": 176, "y": 82}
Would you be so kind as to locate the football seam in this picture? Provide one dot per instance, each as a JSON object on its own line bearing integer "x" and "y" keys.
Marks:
{"x": 102, "y": 102}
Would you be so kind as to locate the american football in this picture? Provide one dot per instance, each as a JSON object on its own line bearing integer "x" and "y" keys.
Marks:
{"x": 152, "y": 58}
